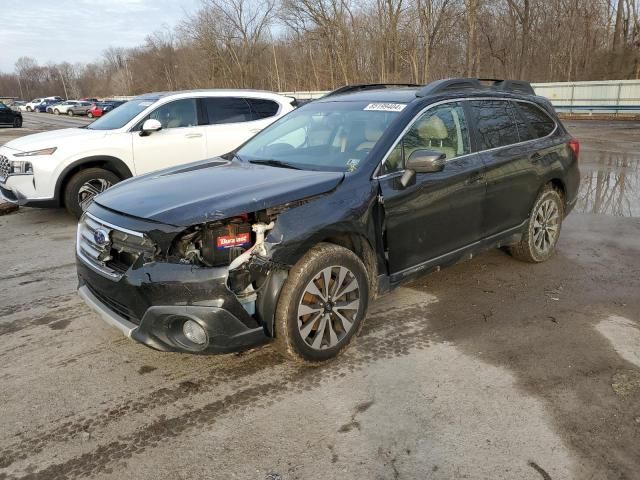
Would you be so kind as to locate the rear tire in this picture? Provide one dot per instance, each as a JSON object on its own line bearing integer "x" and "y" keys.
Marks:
{"x": 543, "y": 228}
{"x": 322, "y": 304}
{"x": 29, "y": 109}
{"x": 56, "y": 112}
{"x": 70, "y": 113}
{"x": 90, "y": 115}
{"x": 17, "y": 122}
{"x": 84, "y": 185}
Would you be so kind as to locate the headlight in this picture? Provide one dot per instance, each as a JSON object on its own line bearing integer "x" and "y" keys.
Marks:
{"x": 20, "y": 168}
{"x": 44, "y": 151}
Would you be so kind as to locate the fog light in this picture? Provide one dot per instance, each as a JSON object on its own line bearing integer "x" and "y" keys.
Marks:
{"x": 194, "y": 332}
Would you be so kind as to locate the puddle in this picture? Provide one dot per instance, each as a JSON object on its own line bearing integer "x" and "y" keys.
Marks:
{"x": 610, "y": 183}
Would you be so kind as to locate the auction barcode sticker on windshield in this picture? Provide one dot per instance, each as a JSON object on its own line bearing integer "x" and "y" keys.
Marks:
{"x": 386, "y": 107}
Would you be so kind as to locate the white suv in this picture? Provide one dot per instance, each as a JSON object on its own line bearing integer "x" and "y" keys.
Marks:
{"x": 153, "y": 131}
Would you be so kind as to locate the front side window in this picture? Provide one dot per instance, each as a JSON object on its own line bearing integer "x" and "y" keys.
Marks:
{"x": 441, "y": 129}
{"x": 221, "y": 110}
{"x": 532, "y": 122}
{"x": 177, "y": 114}
{"x": 335, "y": 136}
{"x": 496, "y": 125}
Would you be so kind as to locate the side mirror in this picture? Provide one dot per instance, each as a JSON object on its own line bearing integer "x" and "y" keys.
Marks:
{"x": 422, "y": 161}
{"x": 150, "y": 126}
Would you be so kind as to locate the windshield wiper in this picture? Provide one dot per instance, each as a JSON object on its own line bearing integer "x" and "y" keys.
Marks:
{"x": 275, "y": 163}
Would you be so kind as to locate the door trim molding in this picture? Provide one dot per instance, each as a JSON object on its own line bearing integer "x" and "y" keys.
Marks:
{"x": 399, "y": 276}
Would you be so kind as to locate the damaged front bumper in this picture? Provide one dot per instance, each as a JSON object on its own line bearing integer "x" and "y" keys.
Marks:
{"x": 149, "y": 304}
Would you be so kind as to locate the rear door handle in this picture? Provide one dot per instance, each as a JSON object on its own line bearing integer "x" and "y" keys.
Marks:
{"x": 193, "y": 135}
{"x": 535, "y": 157}
{"x": 475, "y": 178}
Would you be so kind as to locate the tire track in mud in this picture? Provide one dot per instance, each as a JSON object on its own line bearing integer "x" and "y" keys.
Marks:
{"x": 55, "y": 319}
{"x": 36, "y": 272}
{"x": 375, "y": 343}
{"x": 50, "y": 301}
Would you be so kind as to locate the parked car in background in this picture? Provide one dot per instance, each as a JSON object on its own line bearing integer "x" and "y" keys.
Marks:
{"x": 80, "y": 108}
{"x": 30, "y": 106}
{"x": 112, "y": 104}
{"x": 154, "y": 131}
{"x": 96, "y": 110}
{"x": 47, "y": 106}
{"x": 51, "y": 105}
{"x": 19, "y": 105}
{"x": 100, "y": 108}
{"x": 9, "y": 116}
{"x": 89, "y": 99}
{"x": 62, "y": 107}
{"x": 289, "y": 237}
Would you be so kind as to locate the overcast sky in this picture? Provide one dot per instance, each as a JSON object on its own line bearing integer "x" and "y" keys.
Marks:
{"x": 79, "y": 30}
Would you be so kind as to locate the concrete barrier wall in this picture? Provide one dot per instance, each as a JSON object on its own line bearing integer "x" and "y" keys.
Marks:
{"x": 607, "y": 97}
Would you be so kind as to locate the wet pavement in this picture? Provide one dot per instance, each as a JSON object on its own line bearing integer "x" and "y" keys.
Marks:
{"x": 610, "y": 167}
{"x": 491, "y": 369}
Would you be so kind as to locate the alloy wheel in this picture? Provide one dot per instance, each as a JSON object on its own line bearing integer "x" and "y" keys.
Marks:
{"x": 328, "y": 307}
{"x": 546, "y": 226}
{"x": 90, "y": 189}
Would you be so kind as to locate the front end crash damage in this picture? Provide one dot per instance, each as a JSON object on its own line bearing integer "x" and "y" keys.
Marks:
{"x": 215, "y": 279}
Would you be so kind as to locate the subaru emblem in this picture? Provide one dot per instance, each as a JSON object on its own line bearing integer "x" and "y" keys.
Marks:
{"x": 101, "y": 237}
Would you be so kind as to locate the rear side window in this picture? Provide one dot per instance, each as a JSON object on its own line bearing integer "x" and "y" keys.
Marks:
{"x": 495, "y": 123}
{"x": 532, "y": 122}
{"x": 222, "y": 110}
{"x": 263, "y": 108}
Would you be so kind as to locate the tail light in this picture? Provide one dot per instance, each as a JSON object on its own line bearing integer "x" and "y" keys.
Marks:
{"x": 574, "y": 145}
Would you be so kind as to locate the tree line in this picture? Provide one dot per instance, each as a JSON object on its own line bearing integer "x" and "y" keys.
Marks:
{"x": 286, "y": 45}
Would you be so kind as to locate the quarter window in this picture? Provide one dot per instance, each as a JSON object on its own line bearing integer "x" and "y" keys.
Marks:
{"x": 181, "y": 113}
{"x": 532, "y": 122}
{"x": 496, "y": 126}
{"x": 263, "y": 108}
{"x": 441, "y": 129}
{"x": 222, "y": 110}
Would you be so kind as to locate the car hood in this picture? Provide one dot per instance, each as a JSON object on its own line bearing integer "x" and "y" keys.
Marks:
{"x": 52, "y": 138}
{"x": 213, "y": 189}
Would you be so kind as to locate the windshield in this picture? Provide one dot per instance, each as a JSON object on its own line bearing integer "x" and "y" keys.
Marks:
{"x": 119, "y": 117}
{"x": 322, "y": 136}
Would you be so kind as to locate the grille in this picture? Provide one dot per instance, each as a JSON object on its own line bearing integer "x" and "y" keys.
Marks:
{"x": 108, "y": 249}
{"x": 115, "y": 306}
{"x": 5, "y": 167}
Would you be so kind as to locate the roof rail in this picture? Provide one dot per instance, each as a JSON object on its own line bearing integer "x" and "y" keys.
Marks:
{"x": 357, "y": 87}
{"x": 450, "y": 84}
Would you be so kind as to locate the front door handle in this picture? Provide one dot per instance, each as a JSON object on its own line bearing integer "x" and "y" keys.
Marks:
{"x": 193, "y": 135}
{"x": 535, "y": 157}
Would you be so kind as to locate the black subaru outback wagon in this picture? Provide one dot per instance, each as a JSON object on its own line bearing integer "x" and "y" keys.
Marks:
{"x": 290, "y": 236}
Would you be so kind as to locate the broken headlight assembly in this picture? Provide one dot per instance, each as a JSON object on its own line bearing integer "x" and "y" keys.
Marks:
{"x": 230, "y": 243}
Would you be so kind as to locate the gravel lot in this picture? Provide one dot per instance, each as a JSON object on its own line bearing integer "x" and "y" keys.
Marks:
{"x": 491, "y": 369}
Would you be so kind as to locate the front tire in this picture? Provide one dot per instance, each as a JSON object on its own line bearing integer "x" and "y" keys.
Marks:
{"x": 85, "y": 185}
{"x": 56, "y": 112}
{"x": 543, "y": 228}
{"x": 70, "y": 113}
{"x": 17, "y": 122}
{"x": 322, "y": 304}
